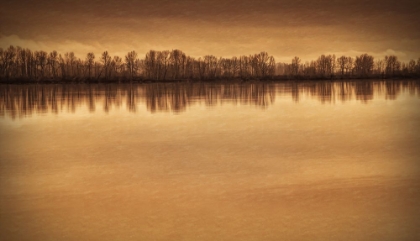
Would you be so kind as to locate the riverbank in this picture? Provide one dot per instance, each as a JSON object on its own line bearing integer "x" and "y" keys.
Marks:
{"x": 217, "y": 80}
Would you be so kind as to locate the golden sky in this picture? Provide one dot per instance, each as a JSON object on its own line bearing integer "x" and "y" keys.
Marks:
{"x": 223, "y": 28}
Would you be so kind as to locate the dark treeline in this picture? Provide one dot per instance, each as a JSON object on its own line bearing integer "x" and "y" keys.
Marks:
{"x": 23, "y": 100}
{"x": 17, "y": 63}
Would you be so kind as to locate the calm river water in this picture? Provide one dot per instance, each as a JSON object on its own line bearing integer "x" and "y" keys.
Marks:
{"x": 250, "y": 161}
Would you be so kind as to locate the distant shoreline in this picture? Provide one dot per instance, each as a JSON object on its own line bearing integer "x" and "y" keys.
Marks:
{"x": 19, "y": 65}
{"x": 141, "y": 80}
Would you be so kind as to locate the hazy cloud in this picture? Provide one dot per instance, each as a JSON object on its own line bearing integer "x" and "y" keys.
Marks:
{"x": 225, "y": 28}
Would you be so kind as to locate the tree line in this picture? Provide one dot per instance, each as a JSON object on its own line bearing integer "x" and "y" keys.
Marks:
{"x": 363, "y": 66}
{"x": 18, "y": 63}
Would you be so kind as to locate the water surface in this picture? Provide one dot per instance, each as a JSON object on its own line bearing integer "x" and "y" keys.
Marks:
{"x": 182, "y": 161}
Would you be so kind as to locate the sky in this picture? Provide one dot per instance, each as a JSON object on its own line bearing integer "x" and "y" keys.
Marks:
{"x": 227, "y": 28}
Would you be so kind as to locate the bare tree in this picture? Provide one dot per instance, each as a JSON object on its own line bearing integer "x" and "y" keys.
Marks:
{"x": 41, "y": 61}
{"x": 342, "y": 61}
{"x": 392, "y": 65}
{"x": 412, "y": 66}
{"x": 211, "y": 66}
{"x": 90, "y": 61}
{"x": 130, "y": 62}
{"x": 363, "y": 65}
{"x": 106, "y": 61}
{"x": 52, "y": 62}
{"x": 380, "y": 66}
{"x": 7, "y": 59}
{"x": 116, "y": 65}
{"x": 150, "y": 63}
{"x": 295, "y": 65}
{"x": 164, "y": 57}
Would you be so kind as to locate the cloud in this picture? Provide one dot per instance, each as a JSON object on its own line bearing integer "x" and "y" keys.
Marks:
{"x": 282, "y": 49}
{"x": 80, "y": 49}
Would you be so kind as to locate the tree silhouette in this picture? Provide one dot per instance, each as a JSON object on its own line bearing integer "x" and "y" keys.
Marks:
{"x": 392, "y": 65}
{"x": 24, "y": 64}
{"x": 295, "y": 65}
{"x": 52, "y": 62}
{"x": 342, "y": 61}
{"x": 363, "y": 65}
{"x": 130, "y": 61}
{"x": 105, "y": 60}
{"x": 90, "y": 60}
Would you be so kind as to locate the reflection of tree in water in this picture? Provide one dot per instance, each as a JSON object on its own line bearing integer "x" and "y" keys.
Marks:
{"x": 344, "y": 91}
{"x": 166, "y": 97}
{"x": 364, "y": 91}
{"x": 177, "y": 97}
{"x": 324, "y": 91}
{"x": 23, "y": 100}
{"x": 295, "y": 90}
{"x": 392, "y": 89}
{"x": 413, "y": 87}
{"x": 131, "y": 100}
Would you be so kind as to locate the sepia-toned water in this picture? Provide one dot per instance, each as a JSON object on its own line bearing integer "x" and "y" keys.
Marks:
{"x": 201, "y": 161}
